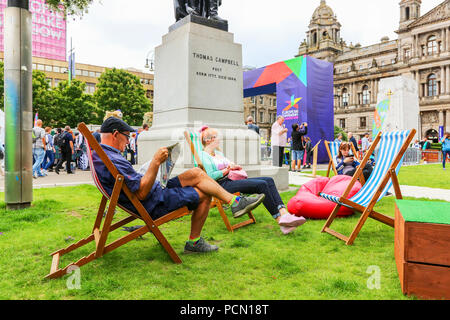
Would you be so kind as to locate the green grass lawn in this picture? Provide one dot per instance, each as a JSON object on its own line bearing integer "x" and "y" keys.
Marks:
{"x": 430, "y": 175}
{"x": 256, "y": 262}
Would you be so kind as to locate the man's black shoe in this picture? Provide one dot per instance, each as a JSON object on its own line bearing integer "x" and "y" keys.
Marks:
{"x": 57, "y": 171}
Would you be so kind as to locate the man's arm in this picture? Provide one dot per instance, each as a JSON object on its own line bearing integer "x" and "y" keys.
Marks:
{"x": 149, "y": 177}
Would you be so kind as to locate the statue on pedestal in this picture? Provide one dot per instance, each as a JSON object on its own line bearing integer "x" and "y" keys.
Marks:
{"x": 202, "y": 8}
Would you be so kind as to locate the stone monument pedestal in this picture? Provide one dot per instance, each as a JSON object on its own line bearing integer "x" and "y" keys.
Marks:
{"x": 403, "y": 111}
{"x": 199, "y": 81}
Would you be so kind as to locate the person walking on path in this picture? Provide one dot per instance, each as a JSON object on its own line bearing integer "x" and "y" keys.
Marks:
{"x": 67, "y": 150}
{"x": 445, "y": 148}
{"x": 49, "y": 158}
{"x": 38, "y": 135}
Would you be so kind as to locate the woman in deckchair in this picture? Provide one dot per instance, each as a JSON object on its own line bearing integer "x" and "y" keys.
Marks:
{"x": 345, "y": 162}
{"x": 218, "y": 167}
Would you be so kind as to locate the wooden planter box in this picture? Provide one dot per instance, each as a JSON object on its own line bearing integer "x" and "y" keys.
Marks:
{"x": 431, "y": 155}
{"x": 422, "y": 252}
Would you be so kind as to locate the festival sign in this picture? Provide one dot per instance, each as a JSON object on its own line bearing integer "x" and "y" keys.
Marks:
{"x": 304, "y": 88}
{"x": 380, "y": 116}
{"x": 49, "y": 30}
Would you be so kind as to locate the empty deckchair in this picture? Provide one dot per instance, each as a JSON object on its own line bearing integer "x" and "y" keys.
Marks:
{"x": 392, "y": 147}
{"x": 100, "y": 235}
{"x": 195, "y": 145}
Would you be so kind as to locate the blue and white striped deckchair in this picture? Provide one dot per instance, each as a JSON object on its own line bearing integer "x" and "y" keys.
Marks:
{"x": 195, "y": 144}
{"x": 332, "y": 150}
{"x": 392, "y": 146}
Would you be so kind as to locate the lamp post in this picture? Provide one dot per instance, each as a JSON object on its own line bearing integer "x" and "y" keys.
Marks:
{"x": 18, "y": 105}
{"x": 150, "y": 60}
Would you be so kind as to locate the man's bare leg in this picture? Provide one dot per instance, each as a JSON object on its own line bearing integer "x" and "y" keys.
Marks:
{"x": 197, "y": 178}
{"x": 200, "y": 214}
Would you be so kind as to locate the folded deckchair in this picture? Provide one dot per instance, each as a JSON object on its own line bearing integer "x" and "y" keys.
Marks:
{"x": 193, "y": 139}
{"x": 100, "y": 235}
{"x": 392, "y": 147}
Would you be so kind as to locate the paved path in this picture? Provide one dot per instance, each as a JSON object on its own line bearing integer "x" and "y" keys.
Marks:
{"x": 295, "y": 178}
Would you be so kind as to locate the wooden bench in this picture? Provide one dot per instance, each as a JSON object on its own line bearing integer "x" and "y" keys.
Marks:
{"x": 422, "y": 248}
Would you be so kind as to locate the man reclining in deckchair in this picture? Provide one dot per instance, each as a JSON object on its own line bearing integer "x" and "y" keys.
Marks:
{"x": 193, "y": 188}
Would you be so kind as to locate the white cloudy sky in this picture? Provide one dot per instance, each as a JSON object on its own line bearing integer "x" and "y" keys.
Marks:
{"x": 120, "y": 33}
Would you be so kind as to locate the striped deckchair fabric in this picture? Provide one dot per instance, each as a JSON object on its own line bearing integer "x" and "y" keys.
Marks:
{"x": 391, "y": 149}
{"x": 198, "y": 147}
{"x": 195, "y": 144}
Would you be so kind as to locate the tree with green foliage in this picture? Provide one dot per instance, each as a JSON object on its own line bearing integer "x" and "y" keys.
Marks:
{"x": 120, "y": 90}
{"x": 42, "y": 97}
{"x": 71, "y": 7}
{"x": 72, "y": 105}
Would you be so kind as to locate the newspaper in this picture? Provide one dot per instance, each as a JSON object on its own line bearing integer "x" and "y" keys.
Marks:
{"x": 165, "y": 169}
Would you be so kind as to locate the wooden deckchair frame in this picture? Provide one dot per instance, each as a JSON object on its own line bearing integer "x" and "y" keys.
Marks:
{"x": 216, "y": 202}
{"x": 368, "y": 211}
{"x": 100, "y": 235}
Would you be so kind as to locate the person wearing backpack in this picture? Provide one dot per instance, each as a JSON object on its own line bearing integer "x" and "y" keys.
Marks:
{"x": 67, "y": 150}
{"x": 38, "y": 136}
{"x": 445, "y": 148}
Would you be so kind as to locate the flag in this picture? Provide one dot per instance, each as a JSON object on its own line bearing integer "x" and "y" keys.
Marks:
{"x": 35, "y": 119}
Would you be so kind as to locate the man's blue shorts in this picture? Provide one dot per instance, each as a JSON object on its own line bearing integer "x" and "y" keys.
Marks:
{"x": 176, "y": 197}
{"x": 297, "y": 155}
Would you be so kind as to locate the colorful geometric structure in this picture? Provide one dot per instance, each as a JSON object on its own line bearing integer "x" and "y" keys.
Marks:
{"x": 304, "y": 88}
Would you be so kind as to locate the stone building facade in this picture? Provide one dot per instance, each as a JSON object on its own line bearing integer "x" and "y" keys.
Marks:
{"x": 422, "y": 52}
{"x": 263, "y": 109}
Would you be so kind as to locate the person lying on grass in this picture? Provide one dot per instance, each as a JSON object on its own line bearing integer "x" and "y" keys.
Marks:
{"x": 218, "y": 167}
{"x": 193, "y": 188}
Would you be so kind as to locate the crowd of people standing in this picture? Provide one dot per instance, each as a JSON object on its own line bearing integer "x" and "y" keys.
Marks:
{"x": 54, "y": 148}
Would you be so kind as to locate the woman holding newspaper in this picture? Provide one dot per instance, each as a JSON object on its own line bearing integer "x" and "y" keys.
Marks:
{"x": 233, "y": 179}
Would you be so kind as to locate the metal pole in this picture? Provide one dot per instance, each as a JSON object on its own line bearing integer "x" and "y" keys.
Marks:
{"x": 18, "y": 105}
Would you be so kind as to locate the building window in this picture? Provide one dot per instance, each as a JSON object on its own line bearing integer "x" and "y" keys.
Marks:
{"x": 40, "y": 67}
{"x": 362, "y": 122}
{"x": 261, "y": 116}
{"x": 345, "y": 96}
{"x": 342, "y": 123}
{"x": 366, "y": 95}
{"x": 432, "y": 85}
{"x": 382, "y": 63}
{"x": 253, "y": 112}
{"x": 407, "y": 54}
{"x": 253, "y": 99}
{"x": 78, "y": 72}
{"x": 34, "y": 66}
{"x": 407, "y": 14}
{"x": 274, "y": 102}
{"x": 393, "y": 61}
{"x": 90, "y": 88}
{"x": 261, "y": 99}
{"x": 85, "y": 73}
{"x": 48, "y": 68}
{"x": 92, "y": 74}
{"x": 64, "y": 70}
{"x": 361, "y": 67}
{"x": 56, "y": 69}
{"x": 431, "y": 45}
{"x": 98, "y": 74}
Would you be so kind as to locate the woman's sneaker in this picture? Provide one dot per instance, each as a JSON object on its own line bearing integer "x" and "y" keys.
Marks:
{"x": 201, "y": 246}
{"x": 246, "y": 204}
